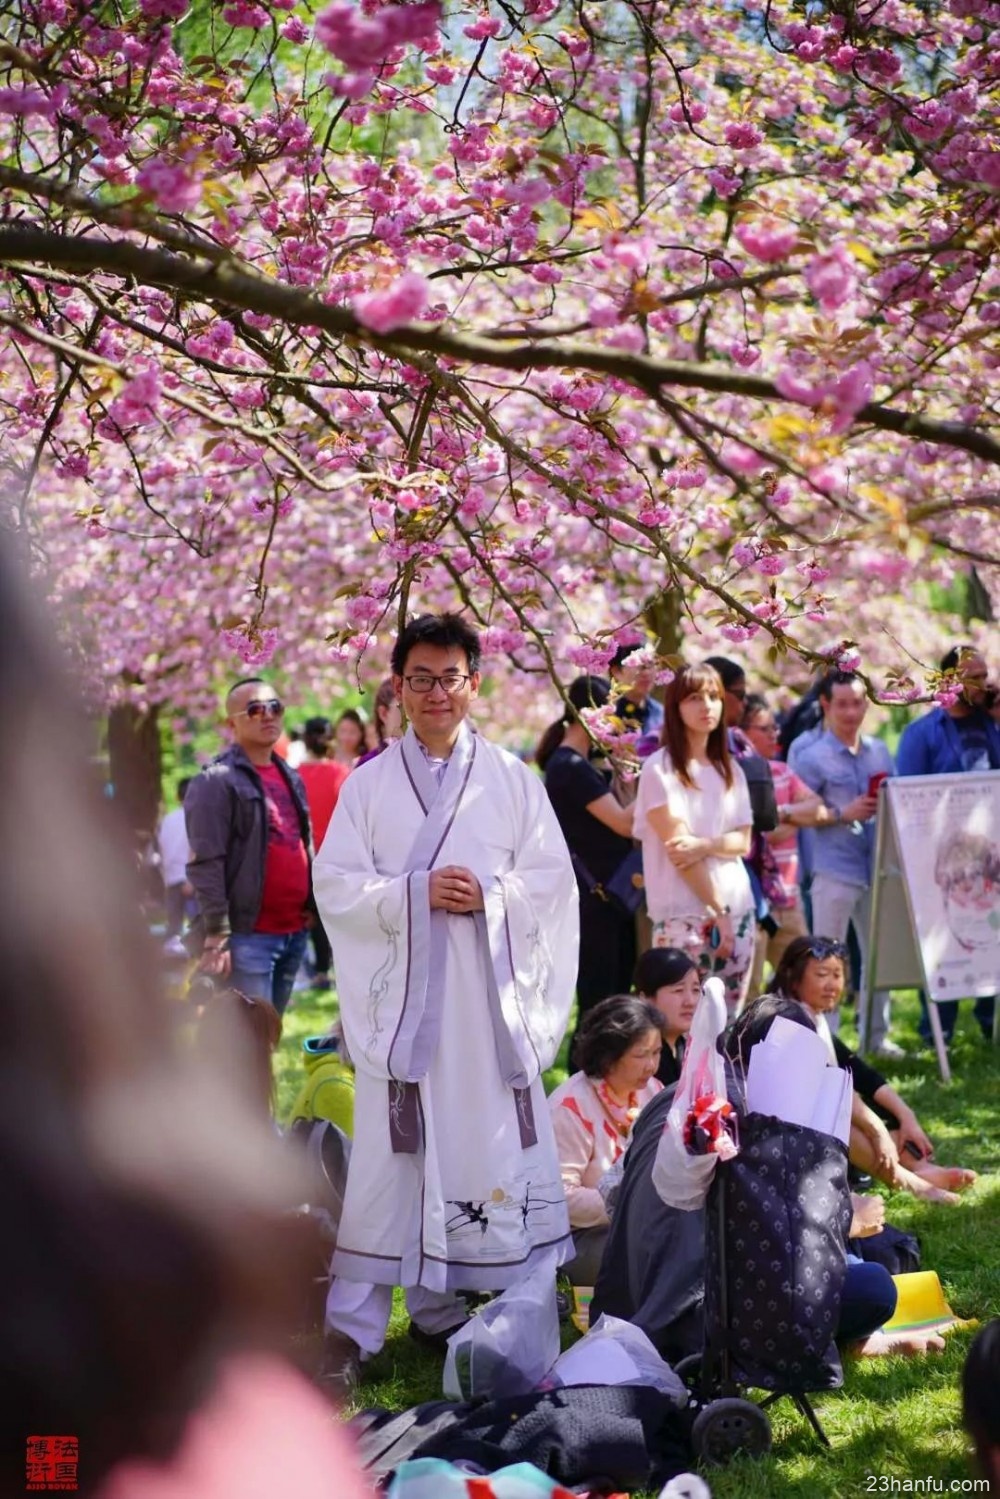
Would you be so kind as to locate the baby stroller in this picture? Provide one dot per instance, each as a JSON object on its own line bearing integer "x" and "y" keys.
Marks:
{"x": 777, "y": 1221}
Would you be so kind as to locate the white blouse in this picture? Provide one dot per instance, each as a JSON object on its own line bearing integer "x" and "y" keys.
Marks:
{"x": 708, "y": 808}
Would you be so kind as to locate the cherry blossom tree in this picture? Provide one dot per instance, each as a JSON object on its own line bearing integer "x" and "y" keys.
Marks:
{"x": 599, "y": 318}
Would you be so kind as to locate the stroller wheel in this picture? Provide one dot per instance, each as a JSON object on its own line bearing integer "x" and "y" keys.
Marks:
{"x": 726, "y": 1427}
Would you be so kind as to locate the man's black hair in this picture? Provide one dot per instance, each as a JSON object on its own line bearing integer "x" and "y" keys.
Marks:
{"x": 247, "y": 682}
{"x": 951, "y": 659}
{"x": 834, "y": 678}
{"x": 445, "y": 630}
{"x": 622, "y": 654}
{"x": 730, "y": 672}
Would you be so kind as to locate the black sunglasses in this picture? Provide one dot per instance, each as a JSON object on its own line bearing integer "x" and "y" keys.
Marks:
{"x": 260, "y": 706}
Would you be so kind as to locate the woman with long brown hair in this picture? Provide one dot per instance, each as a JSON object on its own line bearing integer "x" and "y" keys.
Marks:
{"x": 694, "y": 817}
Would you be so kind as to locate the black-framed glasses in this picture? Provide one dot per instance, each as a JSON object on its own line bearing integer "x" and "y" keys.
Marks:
{"x": 272, "y": 706}
{"x": 826, "y": 947}
{"x": 422, "y": 682}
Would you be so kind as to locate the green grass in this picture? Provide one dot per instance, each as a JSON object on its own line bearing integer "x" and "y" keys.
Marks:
{"x": 896, "y": 1419}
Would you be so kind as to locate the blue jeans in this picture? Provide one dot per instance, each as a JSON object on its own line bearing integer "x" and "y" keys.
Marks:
{"x": 948, "y": 1015}
{"x": 869, "y": 1299}
{"x": 265, "y": 964}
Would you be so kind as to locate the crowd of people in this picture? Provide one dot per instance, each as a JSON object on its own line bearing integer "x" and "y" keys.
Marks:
{"x": 752, "y": 833}
{"x": 462, "y": 904}
{"x": 448, "y": 869}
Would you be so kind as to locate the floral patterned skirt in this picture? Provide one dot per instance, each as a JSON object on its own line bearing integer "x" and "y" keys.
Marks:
{"x": 688, "y": 933}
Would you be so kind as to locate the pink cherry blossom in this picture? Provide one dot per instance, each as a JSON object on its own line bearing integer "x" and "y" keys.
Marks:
{"x": 832, "y": 279}
{"x": 245, "y": 13}
{"x": 362, "y": 41}
{"x": 172, "y": 185}
{"x": 485, "y": 26}
{"x": 768, "y": 240}
{"x": 163, "y": 10}
{"x": 743, "y": 135}
{"x": 25, "y": 102}
{"x": 254, "y": 646}
{"x": 404, "y": 301}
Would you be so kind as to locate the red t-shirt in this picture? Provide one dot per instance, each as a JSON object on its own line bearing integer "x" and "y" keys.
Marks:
{"x": 286, "y": 864}
{"x": 322, "y": 780}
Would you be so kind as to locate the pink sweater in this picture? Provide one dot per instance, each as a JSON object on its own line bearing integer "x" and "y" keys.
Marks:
{"x": 588, "y": 1141}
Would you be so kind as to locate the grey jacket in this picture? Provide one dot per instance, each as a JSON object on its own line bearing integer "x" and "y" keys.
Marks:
{"x": 226, "y": 820}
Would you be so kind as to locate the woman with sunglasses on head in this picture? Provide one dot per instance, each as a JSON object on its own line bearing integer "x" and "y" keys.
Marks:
{"x": 886, "y": 1137}
{"x": 694, "y": 817}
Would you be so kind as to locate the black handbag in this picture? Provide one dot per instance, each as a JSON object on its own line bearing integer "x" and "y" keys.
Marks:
{"x": 626, "y": 887}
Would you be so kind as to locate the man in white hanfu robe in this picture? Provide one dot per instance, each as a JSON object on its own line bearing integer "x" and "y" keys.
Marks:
{"x": 447, "y": 892}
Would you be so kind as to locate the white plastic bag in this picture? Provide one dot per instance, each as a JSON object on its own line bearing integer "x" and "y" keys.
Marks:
{"x": 509, "y": 1346}
{"x": 616, "y": 1352}
{"x": 680, "y": 1179}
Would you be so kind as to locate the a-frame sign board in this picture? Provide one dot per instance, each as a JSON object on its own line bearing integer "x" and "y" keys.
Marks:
{"x": 936, "y": 892}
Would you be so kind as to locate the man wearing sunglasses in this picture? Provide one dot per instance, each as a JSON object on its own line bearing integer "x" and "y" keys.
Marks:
{"x": 251, "y": 848}
{"x": 446, "y": 889}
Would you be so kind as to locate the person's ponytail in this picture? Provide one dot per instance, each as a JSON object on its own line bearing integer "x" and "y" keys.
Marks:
{"x": 550, "y": 742}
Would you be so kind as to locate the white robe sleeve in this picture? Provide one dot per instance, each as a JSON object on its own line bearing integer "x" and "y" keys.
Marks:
{"x": 533, "y": 921}
{"x": 379, "y": 928}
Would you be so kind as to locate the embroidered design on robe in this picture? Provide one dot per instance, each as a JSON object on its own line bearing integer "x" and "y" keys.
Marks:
{"x": 378, "y": 989}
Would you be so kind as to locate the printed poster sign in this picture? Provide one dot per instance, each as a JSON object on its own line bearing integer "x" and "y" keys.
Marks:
{"x": 947, "y": 833}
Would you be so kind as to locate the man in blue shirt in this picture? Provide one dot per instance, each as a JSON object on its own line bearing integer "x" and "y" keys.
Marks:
{"x": 840, "y": 765}
{"x": 948, "y": 741}
{"x": 960, "y": 737}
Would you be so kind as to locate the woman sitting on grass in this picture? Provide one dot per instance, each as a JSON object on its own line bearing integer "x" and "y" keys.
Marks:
{"x": 668, "y": 978}
{"x": 593, "y": 1111}
{"x": 886, "y": 1137}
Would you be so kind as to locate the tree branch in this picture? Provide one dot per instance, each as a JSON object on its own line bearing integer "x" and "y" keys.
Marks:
{"x": 225, "y": 283}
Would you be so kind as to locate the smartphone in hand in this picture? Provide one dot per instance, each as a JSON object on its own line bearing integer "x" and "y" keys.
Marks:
{"x": 874, "y": 782}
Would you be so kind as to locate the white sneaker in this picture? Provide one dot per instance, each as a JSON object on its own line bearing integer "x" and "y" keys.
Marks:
{"x": 888, "y": 1051}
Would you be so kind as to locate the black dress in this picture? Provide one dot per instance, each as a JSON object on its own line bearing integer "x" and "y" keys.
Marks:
{"x": 607, "y": 933}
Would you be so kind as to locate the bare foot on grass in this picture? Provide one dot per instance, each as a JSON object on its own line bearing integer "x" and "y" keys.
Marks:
{"x": 881, "y": 1343}
{"x": 950, "y": 1178}
{"x": 924, "y": 1188}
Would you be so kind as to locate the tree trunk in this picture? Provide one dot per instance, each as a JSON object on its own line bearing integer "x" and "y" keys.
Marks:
{"x": 134, "y": 758}
{"x": 663, "y": 616}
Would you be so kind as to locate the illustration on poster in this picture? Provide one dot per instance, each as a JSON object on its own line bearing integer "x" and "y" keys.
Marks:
{"x": 967, "y": 871}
